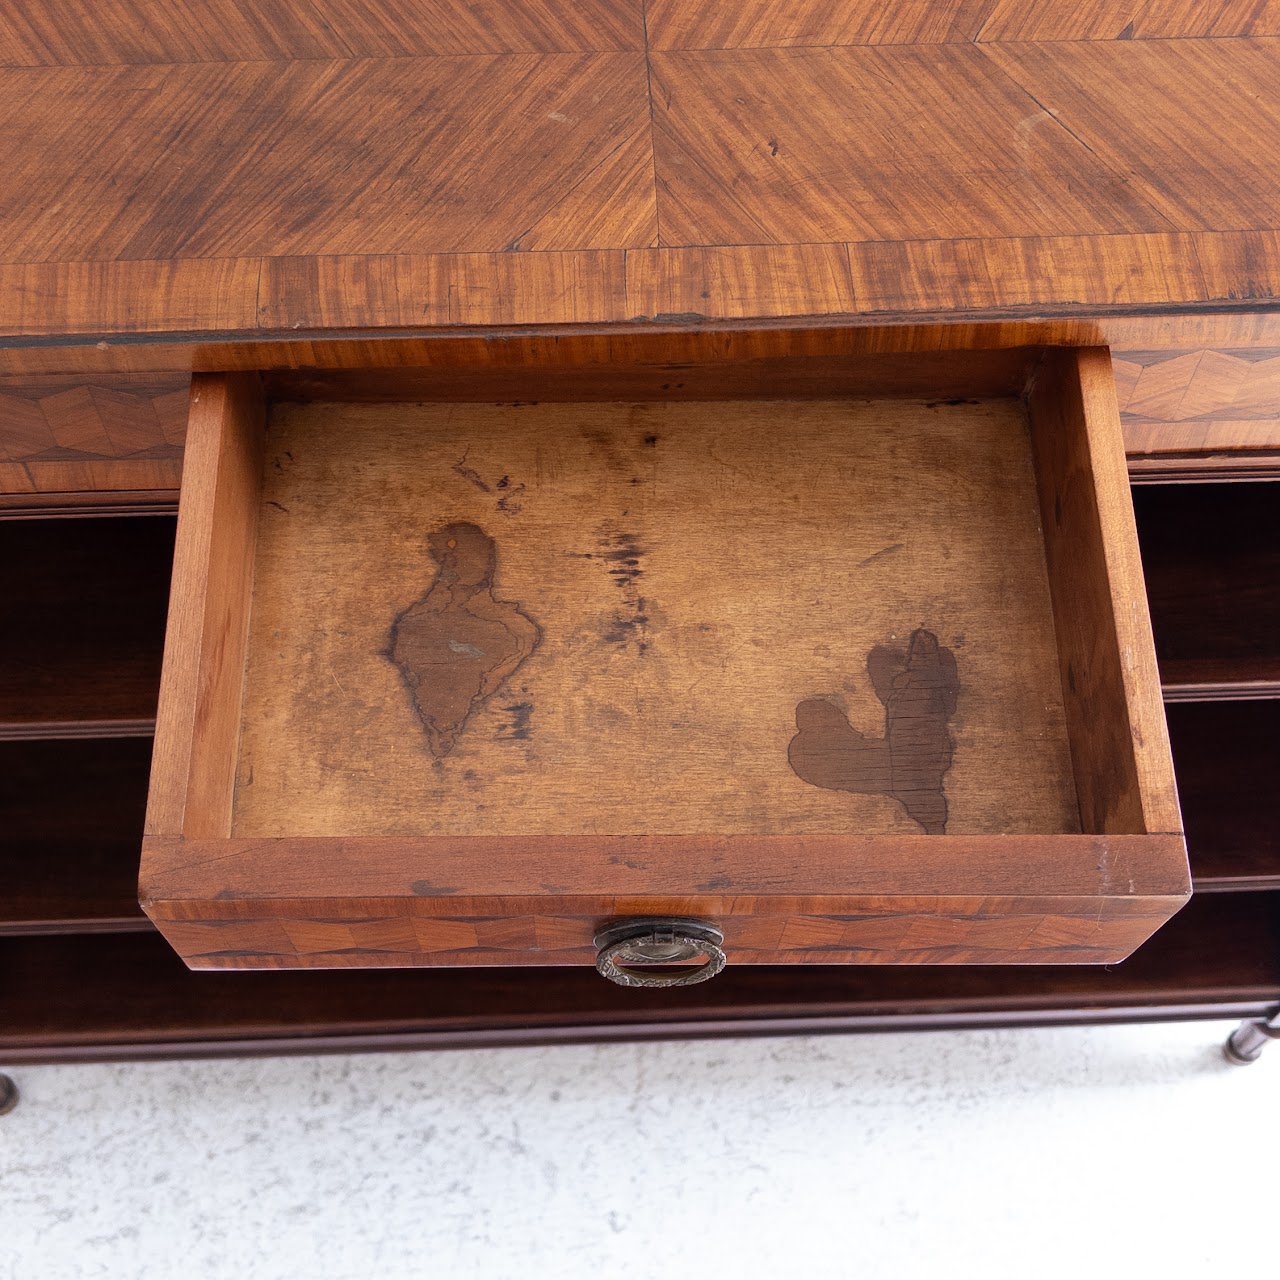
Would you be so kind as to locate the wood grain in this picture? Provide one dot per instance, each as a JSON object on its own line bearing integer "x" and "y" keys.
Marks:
{"x": 516, "y": 289}
{"x": 663, "y": 551}
{"x": 62, "y": 434}
{"x": 1185, "y": 414}
{"x": 1119, "y": 741}
{"x": 85, "y": 33}
{"x": 174, "y": 296}
{"x": 642, "y": 743}
{"x": 204, "y": 651}
{"x": 1195, "y": 468}
{"x": 228, "y": 161}
{"x": 672, "y": 342}
{"x": 768, "y": 146}
{"x": 27, "y": 505}
{"x": 81, "y": 33}
{"x": 739, "y": 281}
{"x": 1205, "y": 401}
{"x": 187, "y": 308}
{"x": 1188, "y": 161}
{"x": 78, "y": 999}
{"x": 227, "y": 180}
{"x": 1127, "y": 20}
{"x": 794, "y": 899}
{"x": 704, "y": 24}
{"x": 749, "y": 365}
{"x": 707, "y": 24}
{"x": 1095, "y": 272}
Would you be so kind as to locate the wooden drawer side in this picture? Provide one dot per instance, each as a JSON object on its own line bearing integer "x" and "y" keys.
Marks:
{"x": 1110, "y": 682}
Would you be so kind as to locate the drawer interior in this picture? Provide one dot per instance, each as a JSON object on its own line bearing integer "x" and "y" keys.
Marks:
{"x": 687, "y": 617}
{"x": 849, "y": 658}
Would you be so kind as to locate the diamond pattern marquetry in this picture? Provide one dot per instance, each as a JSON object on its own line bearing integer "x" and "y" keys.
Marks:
{"x": 70, "y": 434}
{"x": 1196, "y": 401}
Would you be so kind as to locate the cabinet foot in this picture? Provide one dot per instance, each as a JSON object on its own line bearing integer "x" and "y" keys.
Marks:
{"x": 1246, "y": 1043}
{"x": 8, "y": 1095}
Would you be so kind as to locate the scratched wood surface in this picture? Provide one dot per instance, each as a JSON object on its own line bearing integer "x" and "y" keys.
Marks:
{"x": 619, "y": 613}
{"x": 194, "y": 169}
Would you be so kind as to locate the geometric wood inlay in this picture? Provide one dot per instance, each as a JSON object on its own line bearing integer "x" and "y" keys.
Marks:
{"x": 1197, "y": 401}
{"x": 77, "y": 433}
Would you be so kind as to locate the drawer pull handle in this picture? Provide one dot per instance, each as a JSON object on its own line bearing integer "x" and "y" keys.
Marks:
{"x": 628, "y": 943}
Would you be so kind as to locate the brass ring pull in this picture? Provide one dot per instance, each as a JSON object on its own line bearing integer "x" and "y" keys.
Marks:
{"x": 659, "y": 942}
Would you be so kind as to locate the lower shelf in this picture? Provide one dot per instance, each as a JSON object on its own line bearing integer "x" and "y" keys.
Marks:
{"x": 67, "y": 998}
{"x": 85, "y": 606}
{"x": 1227, "y": 759}
{"x": 71, "y": 815}
{"x": 1211, "y": 558}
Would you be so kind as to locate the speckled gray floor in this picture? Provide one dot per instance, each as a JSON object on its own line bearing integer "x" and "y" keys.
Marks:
{"x": 1055, "y": 1153}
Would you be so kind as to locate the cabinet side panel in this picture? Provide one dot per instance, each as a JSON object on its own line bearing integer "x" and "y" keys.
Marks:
{"x": 193, "y": 768}
{"x": 1111, "y": 687}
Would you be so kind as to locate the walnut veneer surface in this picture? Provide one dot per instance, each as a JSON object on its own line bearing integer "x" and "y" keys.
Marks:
{"x": 265, "y": 166}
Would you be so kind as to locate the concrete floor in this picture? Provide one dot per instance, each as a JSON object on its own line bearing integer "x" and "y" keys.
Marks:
{"x": 1054, "y": 1153}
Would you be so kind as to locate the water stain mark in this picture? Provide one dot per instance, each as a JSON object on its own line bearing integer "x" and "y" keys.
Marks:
{"x": 623, "y": 556}
{"x": 458, "y": 645}
{"x": 918, "y": 689}
{"x": 517, "y": 727}
{"x": 623, "y": 628}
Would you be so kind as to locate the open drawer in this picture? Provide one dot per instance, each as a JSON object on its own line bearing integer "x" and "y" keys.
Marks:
{"x": 849, "y": 679}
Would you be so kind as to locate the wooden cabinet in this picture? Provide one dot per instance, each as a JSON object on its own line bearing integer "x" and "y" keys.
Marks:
{"x": 952, "y": 217}
{"x": 86, "y": 975}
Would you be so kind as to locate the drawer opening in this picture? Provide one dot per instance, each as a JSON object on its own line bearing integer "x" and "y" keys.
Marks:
{"x": 862, "y": 671}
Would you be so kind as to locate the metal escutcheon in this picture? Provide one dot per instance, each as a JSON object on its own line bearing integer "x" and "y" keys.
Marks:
{"x": 657, "y": 941}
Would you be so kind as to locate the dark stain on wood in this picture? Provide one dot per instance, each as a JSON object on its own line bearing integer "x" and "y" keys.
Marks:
{"x": 623, "y": 556}
{"x": 879, "y": 555}
{"x": 622, "y": 552}
{"x": 919, "y": 688}
{"x": 458, "y": 645}
{"x": 517, "y": 727}
{"x": 426, "y": 889}
{"x": 470, "y": 475}
{"x": 509, "y": 504}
